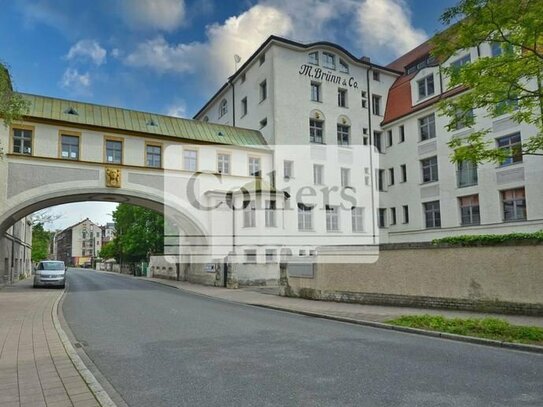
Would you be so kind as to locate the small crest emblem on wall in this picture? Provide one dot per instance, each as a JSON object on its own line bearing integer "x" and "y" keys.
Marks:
{"x": 113, "y": 177}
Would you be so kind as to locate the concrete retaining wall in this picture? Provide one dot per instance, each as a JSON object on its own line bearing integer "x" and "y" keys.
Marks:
{"x": 507, "y": 279}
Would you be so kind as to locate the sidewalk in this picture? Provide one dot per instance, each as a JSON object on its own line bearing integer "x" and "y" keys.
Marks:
{"x": 35, "y": 369}
{"x": 373, "y": 313}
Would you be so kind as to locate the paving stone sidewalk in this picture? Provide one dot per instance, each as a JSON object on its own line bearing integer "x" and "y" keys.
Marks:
{"x": 374, "y": 313}
{"x": 35, "y": 369}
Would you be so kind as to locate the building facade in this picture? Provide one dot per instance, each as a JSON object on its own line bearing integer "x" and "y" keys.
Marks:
{"x": 319, "y": 95}
{"x": 16, "y": 251}
{"x": 80, "y": 244}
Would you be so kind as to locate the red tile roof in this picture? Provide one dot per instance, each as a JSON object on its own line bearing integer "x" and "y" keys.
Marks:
{"x": 399, "y": 103}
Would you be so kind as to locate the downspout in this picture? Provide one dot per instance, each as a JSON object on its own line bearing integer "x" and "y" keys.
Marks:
{"x": 371, "y": 141}
{"x": 233, "y": 103}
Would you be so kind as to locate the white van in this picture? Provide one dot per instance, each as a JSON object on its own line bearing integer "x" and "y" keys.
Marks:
{"x": 50, "y": 273}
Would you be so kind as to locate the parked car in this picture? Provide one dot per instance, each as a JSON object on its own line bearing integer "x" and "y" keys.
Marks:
{"x": 50, "y": 273}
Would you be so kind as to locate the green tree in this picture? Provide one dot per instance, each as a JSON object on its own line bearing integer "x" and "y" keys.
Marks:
{"x": 139, "y": 232}
{"x": 110, "y": 250}
{"x": 510, "y": 82}
{"x": 12, "y": 105}
{"x": 41, "y": 239}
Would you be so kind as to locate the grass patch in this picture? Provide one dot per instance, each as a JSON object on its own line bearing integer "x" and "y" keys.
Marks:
{"x": 489, "y": 328}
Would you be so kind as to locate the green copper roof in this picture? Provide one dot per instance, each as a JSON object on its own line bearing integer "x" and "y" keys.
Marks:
{"x": 87, "y": 114}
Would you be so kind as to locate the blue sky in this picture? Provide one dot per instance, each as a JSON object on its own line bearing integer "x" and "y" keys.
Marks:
{"x": 170, "y": 56}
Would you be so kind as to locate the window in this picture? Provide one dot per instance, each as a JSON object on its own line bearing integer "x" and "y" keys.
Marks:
{"x": 426, "y": 86}
{"x": 466, "y": 59}
{"x": 313, "y": 58}
{"x": 512, "y": 146}
{"x": 377, "y": 141}
{"x": 332, "y": 218}
{"x": 342, "y": 97}
{"x": 263, "y": 122}
{"x": 114, "y": 152}
{"x": 190, "y": 160}
{"x": 345, "y": 177}
{"x": 254, "y": 166}
{"x": 270, "y": 214}
{"x": 205, "y": 119}
{"x": 249, "y": 214}
{"x": 391, "y": 176}
{"x": 427, "y": 127}
{"x": 315, "y": 92}
{"x": 377, "y": 76}
{"x": 405, "y": 213}
{"x": 364, "y": 95}
{"x": 305, "y": 217}
{"x": 392, "y": 216}
{"x": 262, "y": 59}
{"x": 243, "y": 106}
{"x": 402, "y": 134}
{"x": 154, "y": 156}
{"x": 365, "y": 140}
{"x": 250, "y": 256}
{"x": 357, "y": 219}
{"x": 287, "y": 169}
{"x": 271, "y": 255}
{"x": 514, "y": 204}
{"x": 316, "y": 131}
{"x": 243, "y": 77}
{"x": 263, "y": 90}
{"x": 381, "y": 180}
{"x": 328, "y": 60}
{"x": 432, "y": 214}
{"x": 506, "y": 106}
{"x": 22, "y": 141}
{"x": 463, "y": 118}
{"x": 223, "y": 108}
{"x": 69, "y": 147}
{"x": 497, "y": 49}
{"x": 429, "y": 169}
{"x": 343, "y": 134}
{"x": 389, "y": 138}
{"x": 382, "y": 218}
{"x": 469, "y": 210}
{"x": 403, "y": 170}
{"x": 223, "y": 163}
{"x": 343, "y": 67}
{"x": 318, "y": 174}
{"x": 466, "y": 174}
{"x": 376, "y": 104}
{"x": 366, "y": 176}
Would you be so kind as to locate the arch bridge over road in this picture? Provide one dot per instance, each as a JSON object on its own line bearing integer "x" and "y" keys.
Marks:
{"x": 65, "y": 151}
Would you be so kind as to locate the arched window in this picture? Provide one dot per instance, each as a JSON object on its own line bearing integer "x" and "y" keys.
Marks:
{"x": 223, "y": 108}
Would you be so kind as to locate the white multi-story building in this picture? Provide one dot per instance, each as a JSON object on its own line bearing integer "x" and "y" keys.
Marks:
{"x": 79, "y": 244}
{"x": 316, "y": 104}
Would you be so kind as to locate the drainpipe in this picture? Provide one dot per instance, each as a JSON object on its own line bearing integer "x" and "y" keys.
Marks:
{"x": 233, "y": 103}
{"x": 371, "y": 141}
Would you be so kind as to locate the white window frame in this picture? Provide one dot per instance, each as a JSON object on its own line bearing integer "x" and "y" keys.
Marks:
{"x": 223, "y": 163}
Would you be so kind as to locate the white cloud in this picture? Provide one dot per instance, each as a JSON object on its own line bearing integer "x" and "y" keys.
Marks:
{"x": 214, "y": 58}
{"x": 178, "y": 109}
{"x": 87, "y": 49}
{"x": 385, "y": 28}
{"x": 75, "y": 81}
{"x": 164, "y": 15}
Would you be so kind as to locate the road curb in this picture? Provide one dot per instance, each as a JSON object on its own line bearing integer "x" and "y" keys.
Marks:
{"x": 95, "y": 387}
{"x": 380, "y": 325}
{"x": 435, "y": 334}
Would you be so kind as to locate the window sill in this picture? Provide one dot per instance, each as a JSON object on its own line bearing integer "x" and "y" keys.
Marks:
{"x": 509, "y": 165}
{"x": 470, "y": 224}
{"x": 466, "y": 186}
{"x": 514, "y": 220}
{"x": 316, "y": 101}
{"x": 429, "y": 183}
{"x": 306, "y": 230}
{"x": 427, "y": 140}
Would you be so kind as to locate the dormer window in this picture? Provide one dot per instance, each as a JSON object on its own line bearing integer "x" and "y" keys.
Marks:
{"x": 223, "y": 108}
{"x": 71, "y": 111}
{"x": 313, "y": 58}
{"x": 343, "y": 67}
{"x": 426, "y": 86}
{"x": 456, "y": 64}
{"x": 328, "y": 60}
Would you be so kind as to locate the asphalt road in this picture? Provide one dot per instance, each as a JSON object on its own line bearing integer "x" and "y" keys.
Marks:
{"x": 159, "y": 346}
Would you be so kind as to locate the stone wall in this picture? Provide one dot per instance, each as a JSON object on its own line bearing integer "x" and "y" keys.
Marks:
{"x": 507, "y": 279}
